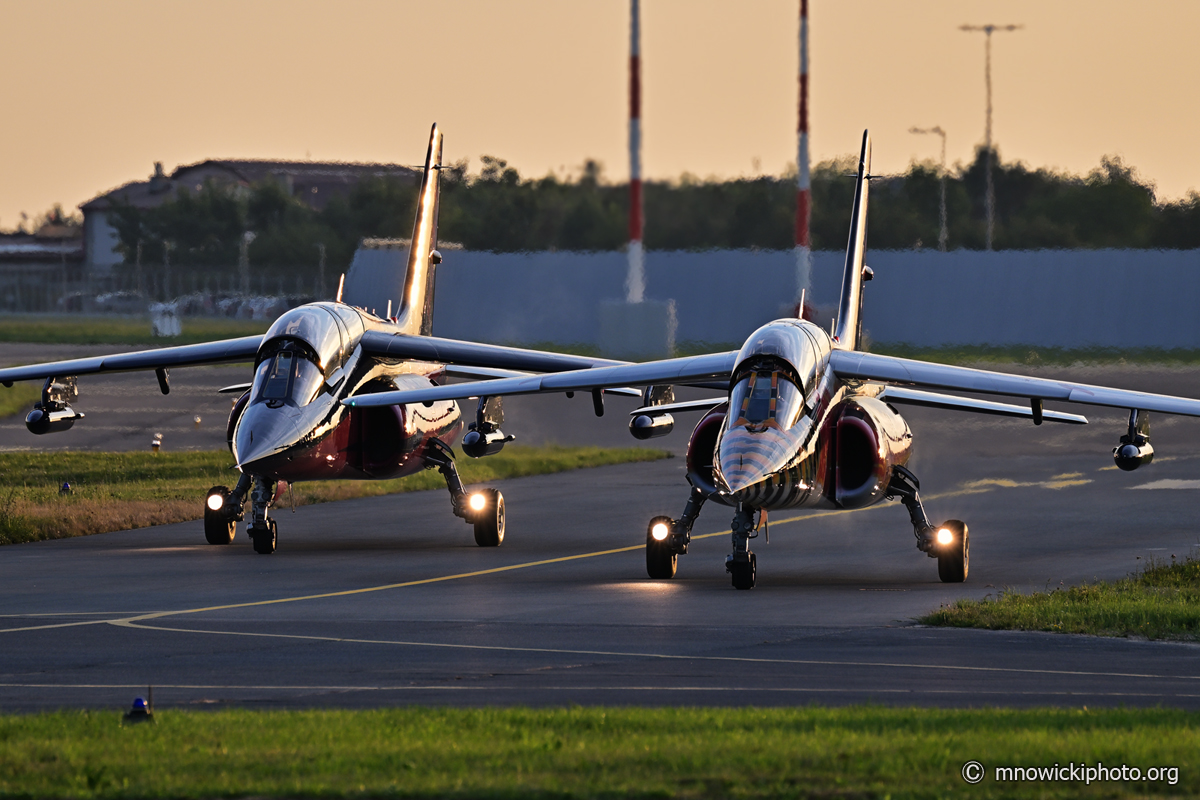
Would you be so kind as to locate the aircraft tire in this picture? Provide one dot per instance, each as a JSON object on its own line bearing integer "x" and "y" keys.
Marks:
{"x": 264, "y": 539}
{"x": 744, "y": 573}
{"x": 218, "y": 529}
{"x": 954, "y": 559}
{"x": 661, "y": 562}
{"x": 489, "y": 526}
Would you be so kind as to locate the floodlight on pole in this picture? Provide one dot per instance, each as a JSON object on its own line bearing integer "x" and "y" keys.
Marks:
{"x": 944, "y": 233}
{"x": 990, "y": 197}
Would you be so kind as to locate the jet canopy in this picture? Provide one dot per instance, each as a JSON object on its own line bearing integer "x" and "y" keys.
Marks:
{"x": 330, "y": 331}
{"x": 289, "y": 377}
{"x": 795, "y": 349}
{"x": 765, "y": 397}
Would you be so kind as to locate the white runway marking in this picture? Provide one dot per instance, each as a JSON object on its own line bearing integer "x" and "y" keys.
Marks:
{"x": 1169, "y": 483}
{"x": 133, "y": 623}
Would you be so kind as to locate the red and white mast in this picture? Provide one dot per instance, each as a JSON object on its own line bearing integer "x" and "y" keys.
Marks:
{"x": 635, "y": 282}
{"x": 803, "y": 183}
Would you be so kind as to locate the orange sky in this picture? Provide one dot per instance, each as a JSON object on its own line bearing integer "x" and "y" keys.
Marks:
{"x": 94, "y": 93}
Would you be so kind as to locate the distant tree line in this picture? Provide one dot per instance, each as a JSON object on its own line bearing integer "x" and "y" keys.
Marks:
{"x": 498, "y": 210}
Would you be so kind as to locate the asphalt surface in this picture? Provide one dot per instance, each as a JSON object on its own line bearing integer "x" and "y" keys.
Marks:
{"x": 387, "y": 600}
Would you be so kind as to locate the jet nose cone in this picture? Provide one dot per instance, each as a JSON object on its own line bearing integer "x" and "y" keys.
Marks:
{"x": 262, "y": 433}
{"x": 745, "y": 458}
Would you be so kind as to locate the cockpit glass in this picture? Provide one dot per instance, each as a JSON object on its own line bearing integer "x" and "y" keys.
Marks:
{"x": 764, "y": 397}
{"x": 288, "y": 377}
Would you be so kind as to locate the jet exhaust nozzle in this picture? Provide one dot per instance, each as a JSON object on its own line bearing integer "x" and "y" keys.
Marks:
{"x": 478, "y": 443}
{"x": 1129, "y": 456}
{"x": 51, "y": 419}
{"x": 646, "y": 426}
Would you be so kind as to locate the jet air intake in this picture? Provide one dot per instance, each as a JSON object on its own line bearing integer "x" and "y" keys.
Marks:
{"x": 1135, "y": 448}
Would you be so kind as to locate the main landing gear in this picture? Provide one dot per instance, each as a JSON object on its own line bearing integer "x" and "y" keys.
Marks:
{"x": 667, "y": 539}
{"x": 949, "y": 543}
{"x": 223, "y": 510}
{"x": 484, "y": 509}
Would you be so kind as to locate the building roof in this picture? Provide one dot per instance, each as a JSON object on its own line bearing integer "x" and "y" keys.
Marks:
{"x": 312, "y": 182}
{"x": 24, "y": 248}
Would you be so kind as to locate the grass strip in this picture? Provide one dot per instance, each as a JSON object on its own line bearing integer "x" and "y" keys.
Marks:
{"x": 1160, "y": 602}
{"x": 120, "y": 491}
{"x": 19, "y": 399}
{"x": 87, "y": 329}
{"x": 583, "y": 752}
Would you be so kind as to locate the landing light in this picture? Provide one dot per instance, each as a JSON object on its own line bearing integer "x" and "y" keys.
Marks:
{"x": 215, "y": 502}
{"x": 477, "y": 501}
{"x": 944, "y": 536}
{"x": 660, "y": 531}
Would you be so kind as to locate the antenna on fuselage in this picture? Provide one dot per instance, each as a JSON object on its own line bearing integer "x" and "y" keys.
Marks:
{"x": 341, "y": 285}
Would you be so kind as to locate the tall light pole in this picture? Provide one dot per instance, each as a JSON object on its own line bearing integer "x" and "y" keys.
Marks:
{"x": 990, "y": 197}
{"x": 943, "y": 234}
{"x": 635, "y": 281}
{"x": 803, "y": 182}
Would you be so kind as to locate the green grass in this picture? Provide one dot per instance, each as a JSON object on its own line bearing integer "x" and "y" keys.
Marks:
{"x": 119, "y": 491}
{"x": 588, "y": 752}
{"x": 86, "y": 329}
{"x": 1160, "y": 602}
{"x": 20, "y": 398}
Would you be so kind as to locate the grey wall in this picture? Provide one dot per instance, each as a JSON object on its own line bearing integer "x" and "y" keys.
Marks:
{"x": 1065, "y": 298}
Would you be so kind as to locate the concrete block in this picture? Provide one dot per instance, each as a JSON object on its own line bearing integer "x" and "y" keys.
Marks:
{"x": 638, "y": 331}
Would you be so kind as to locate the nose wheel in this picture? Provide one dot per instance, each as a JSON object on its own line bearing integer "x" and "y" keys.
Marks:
{"x": 744, "y": 573}
{"x": 741, "y": 564}
{"x": 264, "y": 537}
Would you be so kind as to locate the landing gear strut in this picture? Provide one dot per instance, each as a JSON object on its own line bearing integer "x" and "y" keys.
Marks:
{"x": 741, "y": 563}
{"x": 667, "y": 539}
{"x": 949, "y": 543}
{"x": 483, "y": 509}
{"x": 262, "y": 530}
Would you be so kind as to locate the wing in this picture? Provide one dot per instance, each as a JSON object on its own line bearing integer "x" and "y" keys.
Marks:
{"x": 670, "y": 371}
{"x": 188, "y": 355}
{"x": 915, "y": 397}
{"x": 381, "y": 344}
{"x": 706, "y": 404}
{"x": 889, "y": 369}
{"x": 484, "y": 373}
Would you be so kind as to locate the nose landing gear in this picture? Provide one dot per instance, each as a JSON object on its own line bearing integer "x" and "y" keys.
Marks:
{"x": 742, "y": 564}
{"x": 949, "y": 543}
{"x": 261, "y": 529}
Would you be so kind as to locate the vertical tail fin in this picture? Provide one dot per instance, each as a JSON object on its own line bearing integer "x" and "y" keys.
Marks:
{"x": 849, "y": 324}
{"x": 415, "y": 312}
